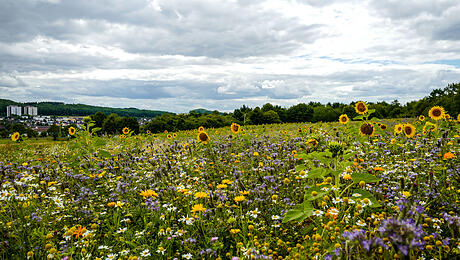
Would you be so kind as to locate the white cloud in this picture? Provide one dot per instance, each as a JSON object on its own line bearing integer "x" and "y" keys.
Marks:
{"x": 179, "y": 55}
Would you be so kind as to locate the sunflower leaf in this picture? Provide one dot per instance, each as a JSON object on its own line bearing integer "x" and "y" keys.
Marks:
{"x": 316, "y": 173}
{"x": 359, "y": 176}
{"x": 358, "y": 117}
{"x": 299, "y": 212}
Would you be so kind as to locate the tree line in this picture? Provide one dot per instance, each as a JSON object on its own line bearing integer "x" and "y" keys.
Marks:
{"x": 448, "y": 97}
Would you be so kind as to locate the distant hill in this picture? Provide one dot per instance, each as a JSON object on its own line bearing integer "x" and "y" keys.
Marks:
{"x": 61, "y": 109}
{"x": 201, "y": 111}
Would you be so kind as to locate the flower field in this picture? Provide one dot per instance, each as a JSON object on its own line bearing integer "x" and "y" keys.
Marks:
{"x": 365, "y": 189}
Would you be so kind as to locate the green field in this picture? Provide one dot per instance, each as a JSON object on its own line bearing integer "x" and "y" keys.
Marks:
{"x": 276, "y": 191}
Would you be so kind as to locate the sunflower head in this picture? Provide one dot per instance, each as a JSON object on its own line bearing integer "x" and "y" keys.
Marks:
{"x": 458, "y": 118}
{"x": 367, "y": 129}
{"x": 421, "y": 118}
{"x": 200, "y": 129}
{"x": 299, "y": 130}
{"x": 436, "y": 113}
{"x": 125, "y": 131}
{"x": 72, "y": 130}
{"x": 169, "y": 136}
{"x": 336, "y": 148}
{"x": 235, "y": 128}
{"x": 343, "y": 119}
{"x": 203, "y": 137}
{"x": 312, "y": 142}
{"x": 383, "y": 126}
{"x": 361, "y": 108}
{"x": 398, "y": 128}
{"x": 409, "y": 130}
{"x": 429, "y": 127}
{"x": 148, "y": 132}
{"x": 15, "y": 136}
{"x": 174, "y": 135}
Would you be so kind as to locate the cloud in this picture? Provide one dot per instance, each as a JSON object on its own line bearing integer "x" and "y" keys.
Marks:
{"x": 179, "y": 55}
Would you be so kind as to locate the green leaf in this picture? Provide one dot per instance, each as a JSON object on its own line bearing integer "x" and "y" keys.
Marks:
{"x": 300, "y": 167}
{"x": 316, "y": 173}
{"x": 302, "y": 156}
{"x": 370, "y": 111}
{"x": 105, "y": 154}
{"x": 347, "y": 156}
{"x": 96, "y": 129}
{"x": 360, "y": 117}
{"x": 367, "y": 194}
{"x": 357, "y": 177}
{"x": 299, "y": 212}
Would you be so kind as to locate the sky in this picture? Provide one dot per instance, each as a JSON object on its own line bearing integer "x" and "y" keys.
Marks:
{"x": 180, "y": 55}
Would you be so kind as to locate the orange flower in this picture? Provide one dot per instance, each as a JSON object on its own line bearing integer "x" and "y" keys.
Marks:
{"x": 79, "y": 231}
{"x": 448, "y": 155}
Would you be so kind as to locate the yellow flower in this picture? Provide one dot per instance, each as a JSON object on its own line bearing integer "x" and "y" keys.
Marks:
{"x": 239, "y": 198}
{"x": 406, "y": 194}
{"x": 436, "y": 113}
{"x": 149, "y": 193}
{"x": 125, "y": 131}
{"x": 421, "y": 118}
{"x": 15, "y": 137}
{"x": 221, "y": 186}
{"x": 200, "y": 129}
{"x": 409, "y": 130}
{"x": 227, "y": 182}
{"x": 203, "y": 137}
{"x": 398, "y": 128}
{"x": 198, "y": 208}
{"x": 367, "y": 129}
{"x": 234, "y": 231}
{"x": 72, "y": 130}
{"x": 343, "y": 119}
{"x": 255, "y": 154}
{"x": 347, "y": 177}
{"x": 200, "y": 195}
{"x": 361, "y": 108}
{"x": 235, "y": 128}
{"x": 429, "y": 127}
{"x": 312, "y": 142}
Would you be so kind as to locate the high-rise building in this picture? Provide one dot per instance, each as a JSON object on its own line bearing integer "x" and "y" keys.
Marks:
{"x": 13, "y": 110}
{"x": 30, "y": 110}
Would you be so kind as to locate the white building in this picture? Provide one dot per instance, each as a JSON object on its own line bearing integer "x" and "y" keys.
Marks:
{"x": 30, "y": 110}
{"x": 13, "y": 110}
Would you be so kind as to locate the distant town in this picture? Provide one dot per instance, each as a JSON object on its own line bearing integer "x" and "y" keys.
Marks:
{"x": 30, "y": 117}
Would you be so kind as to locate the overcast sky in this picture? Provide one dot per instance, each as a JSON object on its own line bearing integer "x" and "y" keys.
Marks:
{"x": 180, "y": 55}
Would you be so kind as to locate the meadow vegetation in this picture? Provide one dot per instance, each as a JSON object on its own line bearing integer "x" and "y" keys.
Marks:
{"x": 361, "y": 189}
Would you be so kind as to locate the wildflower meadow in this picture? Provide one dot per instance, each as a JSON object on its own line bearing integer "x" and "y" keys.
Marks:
{"x": 359, "y": 188}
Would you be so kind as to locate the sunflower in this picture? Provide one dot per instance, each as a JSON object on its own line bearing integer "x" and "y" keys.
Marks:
{"x": 203, "y": 137}
{"x": 429, "y": 127}
{"x": 299, "y": 130}
{"x": 312, "y": 142}
{"x": 174, "y": 135}
{"x": 383, "y": 126}
{"x": 409, "y": 130}
{"x": 458, "y": 118}
{"x": 15, "y": 137}
{"x": 169, "y": 136}
{"x": 235, "y": 128}
{"x": 421, "y": 118}
{"x": 361, "y": 108}
{"x": 343, "y": 119}
{"x": 148, "y": 132}
{"x": 398, "y": 128}
{"x": 72, "y": 130}
{"x": 436, "y": 113}
{"x": 200, "y": 129}
{"x": 367, "y": 129}
{"x": 125, "y": 131}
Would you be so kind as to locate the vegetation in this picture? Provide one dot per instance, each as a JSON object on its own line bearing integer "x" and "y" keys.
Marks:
{"x": 362, "y": 189}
